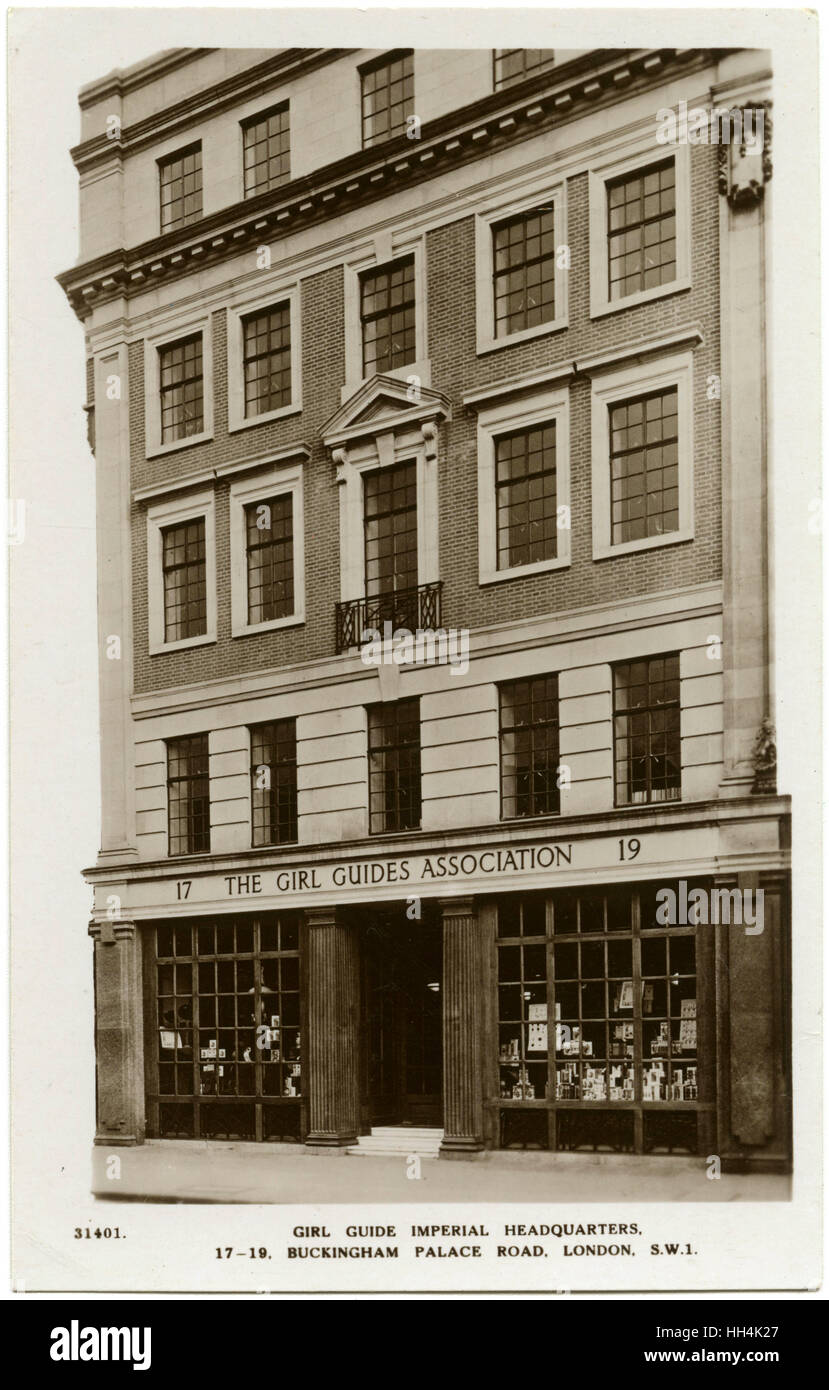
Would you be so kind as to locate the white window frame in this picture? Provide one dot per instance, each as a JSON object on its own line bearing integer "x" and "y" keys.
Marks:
{"x": 284, "y": 294}
{"x": 384, "y": 250}
{"x": 503, "y": 419}
{"x": 184, "y": 328}
{"x": 608, "y": 389}
{"x": 172, "y": 512}
{"x": 275, "y": 482}
{"x": 383, "y": 451}
{"x": 486, "y": 340}
{"x": 600, "y": 175}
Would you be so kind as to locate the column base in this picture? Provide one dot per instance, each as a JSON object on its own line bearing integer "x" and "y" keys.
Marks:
{"x": 117, "y": 1141}
{"x": 460, "y": 1148}
{"x": 737, "y": 784}
{"x": 330, "y": 1141}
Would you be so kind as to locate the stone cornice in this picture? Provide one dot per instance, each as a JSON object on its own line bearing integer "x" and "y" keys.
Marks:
{"x": 179, "y": 483}
{"x": 671, "y": 340}
{"x": 500, "y": 119}
{"x": 675, "y": 814}
{"x": 138, "y": 74}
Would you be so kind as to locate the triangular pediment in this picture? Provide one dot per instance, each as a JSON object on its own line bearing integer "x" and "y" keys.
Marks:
{"x": 385, "y": 407}
{"x": 383, "y": 403}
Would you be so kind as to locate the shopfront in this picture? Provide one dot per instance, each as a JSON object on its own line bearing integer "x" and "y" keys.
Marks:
{"x": 630, "y": 1016}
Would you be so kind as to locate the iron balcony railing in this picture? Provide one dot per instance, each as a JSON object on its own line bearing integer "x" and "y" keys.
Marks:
{"x": 417, "y": 607}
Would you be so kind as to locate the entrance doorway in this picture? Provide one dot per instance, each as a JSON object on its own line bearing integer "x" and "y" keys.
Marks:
{"x": 402, "y": 1020}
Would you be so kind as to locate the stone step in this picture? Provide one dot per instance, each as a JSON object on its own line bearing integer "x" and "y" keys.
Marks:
{"x": 397, "y": 1140}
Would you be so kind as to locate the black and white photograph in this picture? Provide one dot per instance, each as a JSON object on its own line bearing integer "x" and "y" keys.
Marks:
{"x": 415, "y": 649}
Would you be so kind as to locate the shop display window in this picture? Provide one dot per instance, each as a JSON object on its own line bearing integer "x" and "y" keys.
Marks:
{"x": 600, "y": 1007}
{"x": 224, "y": 1032}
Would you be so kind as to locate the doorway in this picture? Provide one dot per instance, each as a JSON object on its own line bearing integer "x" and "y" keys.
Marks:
{"x": 402, "y": 1020}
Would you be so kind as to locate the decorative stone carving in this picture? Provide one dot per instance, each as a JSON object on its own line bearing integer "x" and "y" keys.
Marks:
{"x": 765, "y": 759}
{"x": 90, "y": 427}
{"x": 745, "y": 166}
{"x": 429, "y": 430}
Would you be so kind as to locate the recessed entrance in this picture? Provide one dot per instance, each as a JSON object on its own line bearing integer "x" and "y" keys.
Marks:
{"x": 402, "y": 1019}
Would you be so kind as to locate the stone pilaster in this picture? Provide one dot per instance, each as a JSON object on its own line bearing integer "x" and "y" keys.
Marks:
{"x": 753, "y": 1025}
{"x": 115, "y": 637}
{"x": 333, "y": 1012}
{"x": 462, "y": 988}
{"x": 745, "y": 171}
{"x": 119, "y": 1033}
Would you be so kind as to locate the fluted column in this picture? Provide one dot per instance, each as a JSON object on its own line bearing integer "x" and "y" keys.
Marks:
{"x": 333, "y": 1009}
{"x": 119, "y": 1033}
{"x": 462, "y": 1085}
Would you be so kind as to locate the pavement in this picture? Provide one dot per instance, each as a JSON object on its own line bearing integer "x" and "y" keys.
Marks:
{"x": 200, "y": 1171}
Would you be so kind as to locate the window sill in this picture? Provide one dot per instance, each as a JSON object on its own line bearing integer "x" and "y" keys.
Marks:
{"x": 204, "y": 438}
{"x": 157, "y": 648}
{"x": 606, "y": 552}
{"x": 646, "y": 805}
{"x": 295, "y": 408}
{"x": 251, "y": 629}
{"x": 489, "y": 344}
{"x": 519, "y": 571}
{"x": 599, "y": 309}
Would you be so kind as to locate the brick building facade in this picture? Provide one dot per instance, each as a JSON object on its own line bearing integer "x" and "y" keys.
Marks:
{"x": 450, "y": 894}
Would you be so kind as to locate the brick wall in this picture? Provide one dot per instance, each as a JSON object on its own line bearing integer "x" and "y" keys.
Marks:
{"x": 323, "y": 371}
{"x": 455, "y": 369}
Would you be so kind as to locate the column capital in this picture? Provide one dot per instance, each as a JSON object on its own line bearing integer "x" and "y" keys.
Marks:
{"x": 321, "y": 916}
{"x": 457, "y": 907}
{"x": 111, "y": 930}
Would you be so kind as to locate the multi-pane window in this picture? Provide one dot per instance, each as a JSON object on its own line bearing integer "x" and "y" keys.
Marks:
{"x": 269, "y": 530}
{"x": 525, "y": 496}
{"x": 390, "y": 529}
{"x": 646, "y": 717}
{"x": 267, "y": 150}
{"x": 387, "y": 316}
{"x": 524, "y": 265}
{"x": 224, "y": 1060}
{"x": 598, "y": 1012}
{"x": 394, "y": 766}
{"x": 514, "y": 64}
{"x": 529, "y": 747}
{"x": 644, "y": 466}
{"x": 266, "y": 348}
{"x": 181, "y": 188}
{"x": 273, "y": 782}
{"x": 641, "y": 229}
{"x": 388, "y": 97}
{"x": 181, "y": 377}
{"x": 188, "y": 794}
{"x": 183, "y": 564}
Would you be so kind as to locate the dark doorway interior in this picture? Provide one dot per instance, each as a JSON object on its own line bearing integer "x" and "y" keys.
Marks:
{"x": 402, "y": 1019}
